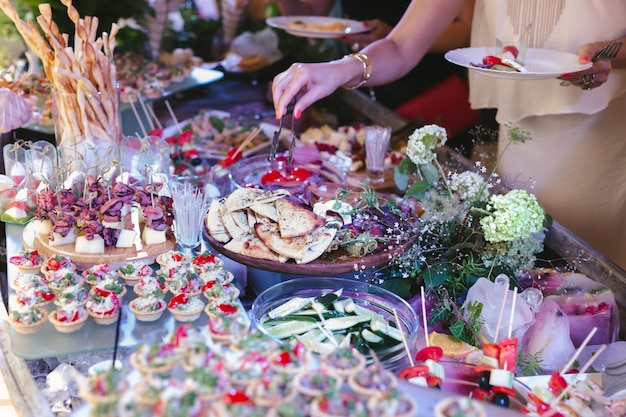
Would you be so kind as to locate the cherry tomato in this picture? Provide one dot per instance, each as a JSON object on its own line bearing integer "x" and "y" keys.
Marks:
{"x": 556, "y": 384}
{"x": 272, "y": 176}
{"x": 227, "y": 308}
{"x": 507, "y": 357}
{"x": 431, "y": 352}
{"x": 511, "y": 49}
{"x": 491, "y": 60}
{"x": 103, "y": 292}
{"x": 208, "y": 286}
{"x": 299, "y": 174}
{"x": 236, "y": 397}
{"x": 480, "y": 394}
{"x": 181, "y": 298}
{"x": 503, "y": 390}
{"x": 53, "y": 264}
{"x": 204, "y": 259}
{"x": 231, "y": 157}
{"x": 414, "y": 371}
{"x": 433, "y": 381}
{"x": 47, "y": 295}
{"x": 284, "y": 358}
{"x": 491, "y": 350}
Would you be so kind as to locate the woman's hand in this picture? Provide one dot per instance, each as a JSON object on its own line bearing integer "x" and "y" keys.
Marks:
{"x": 308, "y": 83}
{"x": 594, "y": 76}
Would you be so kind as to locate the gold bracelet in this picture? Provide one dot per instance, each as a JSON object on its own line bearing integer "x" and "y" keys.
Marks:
{"x": 367, "y": 69}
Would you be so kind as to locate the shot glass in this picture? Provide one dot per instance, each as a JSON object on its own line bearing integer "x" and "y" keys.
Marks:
{"x": 376, "y": 144}
{"x": 190, "y": 205}
{"x": 512, "y": 48}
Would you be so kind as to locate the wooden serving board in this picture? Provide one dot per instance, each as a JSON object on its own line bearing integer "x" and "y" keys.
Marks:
{"x": 333, "y": 263}
{"x": 115, "y": 257}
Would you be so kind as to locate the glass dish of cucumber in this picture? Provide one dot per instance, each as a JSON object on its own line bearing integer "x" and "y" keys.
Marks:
{"x": 325, "y": 312}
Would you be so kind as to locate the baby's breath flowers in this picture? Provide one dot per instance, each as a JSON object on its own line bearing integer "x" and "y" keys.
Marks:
{"x": 514, "y": 215}
{"x": 465, "y": 231}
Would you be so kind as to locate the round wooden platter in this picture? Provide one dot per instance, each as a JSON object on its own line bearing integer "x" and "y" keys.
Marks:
{"x": 115, "y": 257}
{"x": 332, "y": 263}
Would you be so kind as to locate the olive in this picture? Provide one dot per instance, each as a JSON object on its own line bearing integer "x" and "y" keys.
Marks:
{"x": 500, "y": 399}
{"x": 483, "y": 380}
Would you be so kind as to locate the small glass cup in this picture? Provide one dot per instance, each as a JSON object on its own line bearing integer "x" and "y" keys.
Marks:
{"x": 376, "y": 144}
{"x": 512, "y": 48}
{"x": 190, "y": 205}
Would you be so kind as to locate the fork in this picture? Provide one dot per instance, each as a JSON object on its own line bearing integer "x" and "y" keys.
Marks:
{"x": 275, "y": 141}
{"x": 292, "y": 146}
{"x": 609, "y": 51}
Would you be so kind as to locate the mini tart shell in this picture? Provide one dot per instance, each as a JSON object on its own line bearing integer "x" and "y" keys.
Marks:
{"x": 137, "y": 290}
{"x": 186, "y": 316}
{"x": 147, "y": 316}
{"x": 146, "y": 370}
{"x": 269, "y": 401}
{"x": 32, "y": 327}
{"x": 105, "y": 320}
{"x": 442, "y": 405}
{"x": 45, "y": 271}
{"x": 29, "y": 269}
{"x": 67, "y": 327}
{"x": 374, "y": 405}
{"x": 344, "y": 373}
{"x": 131, "y": 280}
{"x": 312, "y": 392}
{"x": 368, "y": 391}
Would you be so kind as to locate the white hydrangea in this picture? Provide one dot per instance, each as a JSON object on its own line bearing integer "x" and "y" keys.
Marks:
{"x": 423, "y": 141}
{"x": 470, "y": 186}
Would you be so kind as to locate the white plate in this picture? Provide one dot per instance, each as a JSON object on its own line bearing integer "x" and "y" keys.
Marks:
{"x": 540, "y": 63}
{"x": 314, "y": 26}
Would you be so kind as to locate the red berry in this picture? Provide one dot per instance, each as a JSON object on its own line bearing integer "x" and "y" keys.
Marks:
{"x": 590, "y": 310}
{"x": 603, "y": 306}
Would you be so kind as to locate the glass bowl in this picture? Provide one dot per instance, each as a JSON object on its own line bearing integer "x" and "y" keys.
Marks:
{"x": 249, "y": 171}
{"x": 366, "y": 295}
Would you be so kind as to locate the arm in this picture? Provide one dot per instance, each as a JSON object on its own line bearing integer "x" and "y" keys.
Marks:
{"x": 391, "y": 57}
{"x": 305, "y": 7}
{"x": 458, "y": 34}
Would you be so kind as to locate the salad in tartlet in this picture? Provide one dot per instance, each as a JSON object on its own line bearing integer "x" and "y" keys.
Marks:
{"x": 27, "y": 261}
{"x": 63, "y": 278}
{"x": 24, "y": 280}
{"x": 132, "y": 272}
{"x": 343, "y": 361}
{"x": 57, "y": 262}
{"x": 69, "y": 318}
{"x": 185, "y": 308}
{"x": 150, "y": 284}
{"x": 155, "y": 358}
{"x": 27, "y": 318}
{"x": 206, "y": 262}
{"x": 97, "y": 273}
{"x": 103, "y": 306}
{"x": 72, "y": 294}
{"x": 149, "y": 308}
{"x": 41, "y": 295}
{"x": 210, "y": 383}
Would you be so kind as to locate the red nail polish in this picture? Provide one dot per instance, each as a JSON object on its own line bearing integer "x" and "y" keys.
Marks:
{"x": 277, "y": 116}
{"x": 584, "y": 59}
{"x": 297, "y": 114}
{"x": 566, "y": 75}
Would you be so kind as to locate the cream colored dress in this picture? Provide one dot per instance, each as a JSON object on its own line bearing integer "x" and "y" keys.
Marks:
{"x": 576, "y": 163}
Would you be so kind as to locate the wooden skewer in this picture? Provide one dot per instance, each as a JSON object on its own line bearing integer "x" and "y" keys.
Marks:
{"x": 145, "y": 112}
{"x": 424, "y": 319}
{"x": 143, "y": 129}
{"x": 506, "y": 293}
{"x": 582, "y": 371}
{"x": 173, "y": 116}
{"x": 578, "y": 351}
{"x": 246, "y": 141}
{"x": 404, "y": 342}
{"x": 512, "y": 313}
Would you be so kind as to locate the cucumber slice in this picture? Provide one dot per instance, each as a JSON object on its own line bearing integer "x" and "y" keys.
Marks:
{"x": 386, "y": 328}
{"x": 342, "y": 323}
{"x": 321, "y": 303}
{"x": 290, "y": 307}
{"x": 364, "y": 311}
{"x": 345, "y": 342}
{"x": 371, "y": 337}
{"x": 501, "y": 378}
{"x": 292, "y": 318}
{"x": 340, "y": 305}
{"x": 291, "y": 328}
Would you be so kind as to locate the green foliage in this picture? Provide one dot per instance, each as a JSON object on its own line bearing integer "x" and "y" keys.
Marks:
{"x": 529, "y": 364}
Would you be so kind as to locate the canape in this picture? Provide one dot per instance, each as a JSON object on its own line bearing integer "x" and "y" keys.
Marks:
{"x": 148, "y": 308}
{"x": 27, "y": 318}
{"x": 72, "y": 294}
{"x": 315, "y": 382}
{"x": 271, "y": 389}
{"x": 343, "y": 361}
{"x": 97, "y": 273}
{"x": 338, "y": 403}
{"x": 103, "y": 306}
{"x": 391, "y": 403}
{"x": 210, "y": 384}
{"x": 459, "y": 406}
{"x": 41, "y": 295}
{"x": 185, "y": 308}
{"x": 371, "y": 380}
{"x": 103, "y": 390}
{"x": 132, "y": 273}
{"x": 150, "y": 284}
{"x": 27, "y": 261}
{"x": 154, "y": 358}
{"x": 69, "y": 319}
{"x": 57, "y": 262}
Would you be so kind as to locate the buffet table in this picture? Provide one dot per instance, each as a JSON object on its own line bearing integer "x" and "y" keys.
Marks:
{"x": 241, "y": 97}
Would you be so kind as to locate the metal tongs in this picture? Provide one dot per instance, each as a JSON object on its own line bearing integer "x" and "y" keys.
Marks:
{"x": 292, "y": 146}
{"x": 275, "y": 142}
